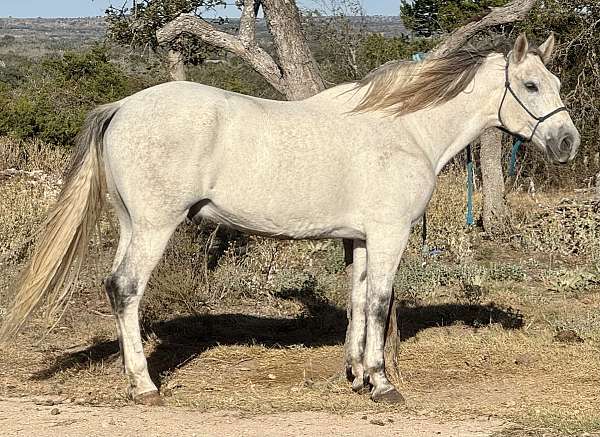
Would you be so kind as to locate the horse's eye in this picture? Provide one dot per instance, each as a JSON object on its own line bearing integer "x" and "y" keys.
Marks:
{"x": 531, "y": 87}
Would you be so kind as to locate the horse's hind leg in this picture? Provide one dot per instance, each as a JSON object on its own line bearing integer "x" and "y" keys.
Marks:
{"x": 124, "y": 239}
{"x": 125, "y": 287}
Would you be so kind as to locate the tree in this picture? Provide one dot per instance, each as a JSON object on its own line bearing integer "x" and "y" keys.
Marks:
{"x": 434, "y": 17}
{"x": 494, "y": 207}
{"x": 295, "y": 73}
{"x": 136, "y": 26}
{"x": 439, "y": 17}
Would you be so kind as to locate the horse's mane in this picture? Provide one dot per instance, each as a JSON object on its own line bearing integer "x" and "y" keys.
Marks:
{"x": 402, "y": 87}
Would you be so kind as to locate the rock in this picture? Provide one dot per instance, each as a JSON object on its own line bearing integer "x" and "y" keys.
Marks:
{"x": 377, "y": 422}
{"x": 49, "y": 401}
{"x": 524, "y": 359}
{"x": 568, "y": 336}
{"x": 55, "y": 411}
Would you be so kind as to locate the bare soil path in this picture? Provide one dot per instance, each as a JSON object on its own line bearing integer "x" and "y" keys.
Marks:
{"x": 23, "y": 417}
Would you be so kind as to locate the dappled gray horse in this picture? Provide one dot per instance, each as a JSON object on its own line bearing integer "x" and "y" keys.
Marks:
{"x": 358, "y": 161}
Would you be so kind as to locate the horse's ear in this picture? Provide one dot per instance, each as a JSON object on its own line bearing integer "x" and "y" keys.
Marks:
{"x": 520, "y": 49}
{"x": 547, "y": 48}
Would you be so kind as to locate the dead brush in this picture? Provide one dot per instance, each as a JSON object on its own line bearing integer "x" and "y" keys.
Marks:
{"x": 446, "y": 223}
{"x": 574, "y": 280}
{"x": 29, "y": 184}
{"x": 569, "y": 227}
{"x": 31, "y": 155}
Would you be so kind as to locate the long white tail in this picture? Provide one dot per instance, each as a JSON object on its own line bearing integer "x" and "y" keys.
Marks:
{"x": 64, "y": 237}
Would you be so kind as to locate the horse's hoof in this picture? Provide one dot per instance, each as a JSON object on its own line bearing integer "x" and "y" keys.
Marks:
{"x": 359, "y": 386}
{"x": 349, "y": 374}
{"x": 150, "y": 398}
{"x": 392, "y": 396}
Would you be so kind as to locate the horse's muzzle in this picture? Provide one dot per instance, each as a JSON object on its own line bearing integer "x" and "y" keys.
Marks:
{"x": 563, "y": 148}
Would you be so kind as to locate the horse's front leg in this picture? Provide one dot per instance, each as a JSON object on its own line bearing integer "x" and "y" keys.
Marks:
{"x": 384, "y": 249}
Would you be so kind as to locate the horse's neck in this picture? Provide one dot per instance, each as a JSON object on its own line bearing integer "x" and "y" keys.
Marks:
{"x": 441, "y": 132}
{"x": 447, "y": 129}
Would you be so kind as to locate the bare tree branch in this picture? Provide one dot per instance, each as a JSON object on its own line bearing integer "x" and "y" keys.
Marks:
{"x": 250, "y": 52}
{"x": 248, "y": 23}
{"x": 516, "y": 10}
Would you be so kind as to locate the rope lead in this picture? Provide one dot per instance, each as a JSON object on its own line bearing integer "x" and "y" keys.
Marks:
{"x": 513, "y": 156}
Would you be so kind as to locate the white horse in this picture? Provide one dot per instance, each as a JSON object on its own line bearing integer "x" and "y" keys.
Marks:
{"x": 358, "y": 161}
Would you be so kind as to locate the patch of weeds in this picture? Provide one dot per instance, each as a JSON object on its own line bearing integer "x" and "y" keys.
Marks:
{"x": 571, "y": 280}
{"x": 417, "y": 280}
{"x": 585, "y": 325}
{"x": 506, "y": 272}
{"x": 570, "y": 228}
{"x": 554, "y": 422}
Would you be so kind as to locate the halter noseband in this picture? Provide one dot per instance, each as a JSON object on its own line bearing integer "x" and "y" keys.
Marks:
{"x": 539, "y": 120}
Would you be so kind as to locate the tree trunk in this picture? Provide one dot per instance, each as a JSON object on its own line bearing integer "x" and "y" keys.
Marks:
{"x": 514, "y": 11}
{"x": 176, "y": 65}
{"x": 300, "y": 71}
{"x": 295, "y": 73}
{"x": 494, "y": 207}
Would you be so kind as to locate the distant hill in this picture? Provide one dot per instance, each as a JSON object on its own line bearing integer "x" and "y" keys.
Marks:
{"x": 35, "y": 37}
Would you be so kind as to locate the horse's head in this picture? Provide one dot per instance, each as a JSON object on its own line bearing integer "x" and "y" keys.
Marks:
{"x": 532, "y": 107}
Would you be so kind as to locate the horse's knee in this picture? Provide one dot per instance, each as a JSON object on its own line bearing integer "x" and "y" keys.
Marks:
{"x": 121, "y": 290}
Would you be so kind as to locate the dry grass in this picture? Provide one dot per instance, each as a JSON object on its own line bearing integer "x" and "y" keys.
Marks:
{"x": 32, "y": 155}
{"x": 263, "y": 331}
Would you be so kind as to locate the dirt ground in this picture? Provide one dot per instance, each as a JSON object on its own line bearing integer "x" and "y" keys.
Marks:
{"x": 25, "y": 417}
{"x": 514, "y": 354}
{"x": 238, "y": 375}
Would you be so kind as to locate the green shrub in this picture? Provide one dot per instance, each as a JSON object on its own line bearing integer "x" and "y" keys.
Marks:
{"x": 376, "y": 49}
{"x": 233, "y": 75}
{"x": 54, "y": 96}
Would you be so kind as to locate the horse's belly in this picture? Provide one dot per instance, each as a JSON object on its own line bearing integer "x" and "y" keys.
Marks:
{"x": 279, "y": 227}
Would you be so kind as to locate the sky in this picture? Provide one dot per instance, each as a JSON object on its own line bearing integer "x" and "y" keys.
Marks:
{"x": 86, "y": 8}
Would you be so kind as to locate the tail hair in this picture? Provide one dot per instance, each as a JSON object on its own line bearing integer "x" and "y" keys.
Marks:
{"x": 62, "y": 247}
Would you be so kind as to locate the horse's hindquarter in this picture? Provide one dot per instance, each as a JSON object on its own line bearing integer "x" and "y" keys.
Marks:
{"x": 292, "y": 169}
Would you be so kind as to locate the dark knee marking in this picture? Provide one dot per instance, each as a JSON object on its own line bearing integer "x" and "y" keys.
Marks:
{"x": 120, "y": 289}
{"x": 380, "y": 312}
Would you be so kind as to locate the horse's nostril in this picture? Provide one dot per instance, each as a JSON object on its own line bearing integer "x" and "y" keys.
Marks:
{"x": 566, "y": 144}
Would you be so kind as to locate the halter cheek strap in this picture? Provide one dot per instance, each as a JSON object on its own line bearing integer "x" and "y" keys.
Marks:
{"x": 540, "y": 120}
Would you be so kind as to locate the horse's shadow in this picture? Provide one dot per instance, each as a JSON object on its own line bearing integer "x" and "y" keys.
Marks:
{"x": 184, "y": 338}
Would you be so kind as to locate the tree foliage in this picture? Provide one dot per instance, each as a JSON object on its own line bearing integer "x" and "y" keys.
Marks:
{"x": 433, "y": 17}
{"x": 136, "y": 26}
